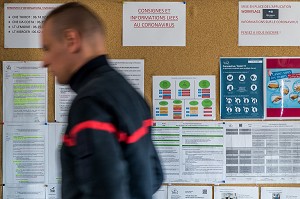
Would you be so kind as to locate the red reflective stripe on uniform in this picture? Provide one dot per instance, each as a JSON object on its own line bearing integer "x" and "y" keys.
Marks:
{"x": 70, "y": 140}
{"x": 138, "y": 134}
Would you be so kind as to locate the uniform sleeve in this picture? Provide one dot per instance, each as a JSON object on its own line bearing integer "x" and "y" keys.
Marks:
{"x": 143, "y": 163}
{"x": 100, "y": 169}
{"x": 144, "y": 168}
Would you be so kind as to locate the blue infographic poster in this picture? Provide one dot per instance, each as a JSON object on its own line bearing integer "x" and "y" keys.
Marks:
{"x": 241, "y": 88}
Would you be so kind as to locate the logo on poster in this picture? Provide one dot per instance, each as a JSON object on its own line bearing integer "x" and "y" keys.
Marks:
{"x": 270, "y": 13}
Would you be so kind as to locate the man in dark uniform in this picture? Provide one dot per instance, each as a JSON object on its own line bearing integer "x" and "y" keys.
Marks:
{"x": 107, "y": 150}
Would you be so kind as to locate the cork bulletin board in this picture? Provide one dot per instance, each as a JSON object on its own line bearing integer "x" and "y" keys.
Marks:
{"x": 211, "y": 33}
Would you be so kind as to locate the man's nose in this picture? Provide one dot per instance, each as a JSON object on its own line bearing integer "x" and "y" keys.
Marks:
{"x": 45, "y": 62}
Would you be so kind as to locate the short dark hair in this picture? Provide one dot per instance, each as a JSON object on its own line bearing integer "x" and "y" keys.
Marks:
{"x": 77, "y": 16}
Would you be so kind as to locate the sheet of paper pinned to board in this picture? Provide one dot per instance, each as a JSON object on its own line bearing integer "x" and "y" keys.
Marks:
{"x": 53, "y": 171}
{"x": 154, "y": 24}
{"x": 32, "y": 191}
{"x": 23, "y": 23}
{"x": 25, "y": 92}
{"x": 64, "y": 96}
{"x": 273, "y": 23}
{"x": 184, "y": 97}
{"x": 24, "y": 156}
{"x": 162, "y": 193}
{"x": 131, "y": 69}
{"x": 262, "y": 152}
{"x": 280, "y": 192}
{"x": 53, "y": 191}
{"x": 192, "y": 192}
{"x": 191, "y": 152}
{"x": 233, "y": 192}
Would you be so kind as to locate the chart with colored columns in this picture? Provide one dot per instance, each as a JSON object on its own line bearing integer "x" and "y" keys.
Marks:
{"x": 184, "y": 97}
{"x": 204, "y": 90}
{"x": 177, "y": 109}
{"x": 162, "y": 110}
{"x": 165, "y": 91}
{"x": 184, "y": 89}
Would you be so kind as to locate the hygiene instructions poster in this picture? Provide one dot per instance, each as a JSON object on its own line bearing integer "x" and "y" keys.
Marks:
{"x": 241, "y": 88}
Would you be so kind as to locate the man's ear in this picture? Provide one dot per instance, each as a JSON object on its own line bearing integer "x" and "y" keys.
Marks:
{"x": 72, "y": 40}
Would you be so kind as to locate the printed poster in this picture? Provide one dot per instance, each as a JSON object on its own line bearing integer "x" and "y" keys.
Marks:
{"x": 161, "y": 193}
{"x": 190, "y": 151}
{"x": 191, "y": 192}
{"x": 53, "y": 191}
{"x": 154, "y": 23}
{"x": 280, "y": 193}
{"x": 282, "y": 88}
{"x": 24, "y": 156}
{"x": 262, "y": 152}
{"x": 184, "y": 98}
{"x": 55, "y": 138}
{"x": 23, "y": 23}
{"x": 272, "y": 23}
{"x": 241, "y": 88}
{"x": 24, "y": 191}
{"x": 25, "y": 88}
{"x": 231, "y": 192}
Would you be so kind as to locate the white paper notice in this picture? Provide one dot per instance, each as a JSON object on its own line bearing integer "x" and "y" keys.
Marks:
{"x": 28, "y": 191}
{"x": 64, "y": 96}
{"x": 56, "y": 131}
{"x": 162, "y": 193}
{"x": 23, "y": 22}
{"x": 131, "y": 69}
{"x": 280, "y": 193}
{"x": 53, "y": 191}
{"x": 262, "y": 152}
{"x": 269, "y": 23}
{"x": 24, "y": 147}
{"x": 154, "y": 23}
{"x": 25, "y": 92}
{"x": 191, "y": 152}
{"x": 193, "y": 192}
{"x": 226, "y": 192}
{"x": 184, "y": 98}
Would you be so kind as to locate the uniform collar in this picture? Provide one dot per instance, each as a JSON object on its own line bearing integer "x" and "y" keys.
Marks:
{"x": 83, "y": 74}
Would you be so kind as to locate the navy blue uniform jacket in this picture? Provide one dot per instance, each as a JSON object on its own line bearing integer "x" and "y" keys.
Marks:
{"x": 107, "y": 150}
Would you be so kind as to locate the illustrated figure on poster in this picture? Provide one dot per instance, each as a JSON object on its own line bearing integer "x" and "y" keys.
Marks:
{"x": 237, "y": 100}
{"x": 228, "y": 100}
{"x": 276, "y": 196}
{"x": 246, "y": 100}
{"x": 228, "y": 109}
{"x": 229, "y": 77}
{"x": 237, "y": 109}
{"x": 230, "y": 87}
{"x": 253, "y": 77}
{"x": 246, "y": 109}
{"x": 253, "y": 100}
{"x": 253, "y": 87}
{"x": 242, "y": 77}
{"x": 254, "y": 109}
